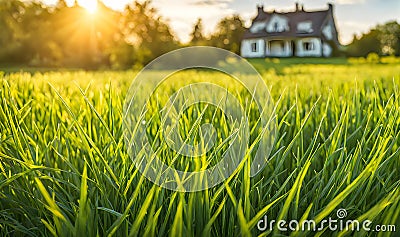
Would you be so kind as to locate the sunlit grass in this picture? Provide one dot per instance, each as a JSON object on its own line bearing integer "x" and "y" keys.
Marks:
{"x": 65, "y": 170}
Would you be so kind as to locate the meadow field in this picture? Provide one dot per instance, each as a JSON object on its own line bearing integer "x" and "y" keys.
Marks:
{"x": 65, "y": 169}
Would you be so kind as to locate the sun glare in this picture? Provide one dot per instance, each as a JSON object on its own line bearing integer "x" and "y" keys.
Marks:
{"x": 89, "y": 5}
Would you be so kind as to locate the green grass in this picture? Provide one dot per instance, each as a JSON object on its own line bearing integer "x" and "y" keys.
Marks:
{"x": 65, "y": 170}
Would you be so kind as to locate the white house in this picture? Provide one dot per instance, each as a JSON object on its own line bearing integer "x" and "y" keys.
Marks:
{"x": 285, "y": 34}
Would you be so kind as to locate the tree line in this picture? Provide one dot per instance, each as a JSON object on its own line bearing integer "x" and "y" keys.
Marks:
{"x": 68, "y": 36}
{"x": 382, "y": 40}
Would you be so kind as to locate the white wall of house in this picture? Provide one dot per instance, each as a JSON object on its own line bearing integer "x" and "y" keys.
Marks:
{"x": 326, "y": 50}
{"x": 278, "y": 24}
{"x": 278, "y": 48}
{"x": 253, "y": 48}
{"x": 304, "y": 47}
{"x": 308, "y": 47}
{"x": 328, "y": 31}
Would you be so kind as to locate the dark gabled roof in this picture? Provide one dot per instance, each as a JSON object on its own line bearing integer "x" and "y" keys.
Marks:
{"x": 316, "y": 17}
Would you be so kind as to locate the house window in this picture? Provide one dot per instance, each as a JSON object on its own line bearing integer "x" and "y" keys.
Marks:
{"x": 254, "y": 47}
{"x": 304, "y": 27}
{"x": 257, "y": 27}
{"x": 276, "y": 27}
{"x": 308, "y": 46}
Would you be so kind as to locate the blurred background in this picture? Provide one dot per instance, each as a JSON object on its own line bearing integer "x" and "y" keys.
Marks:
{"x": 94, "y": 34}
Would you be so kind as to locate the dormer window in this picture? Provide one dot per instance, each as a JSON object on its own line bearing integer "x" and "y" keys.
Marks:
{"x": 276, "y": 27}
{"x": 304, "y": 27}
{"x": 277, "y": 24}
{"x": 257, "y": 27}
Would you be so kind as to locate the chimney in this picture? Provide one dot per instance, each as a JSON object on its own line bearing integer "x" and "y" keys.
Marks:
{"x": 297, "y": 6}
{"x": 260, "y": 9}
{"x": 302, "y": 7}
{"x": 330, "y": 7}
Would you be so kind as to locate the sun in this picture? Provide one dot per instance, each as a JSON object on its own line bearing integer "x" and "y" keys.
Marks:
{"x": 89, "y": 5}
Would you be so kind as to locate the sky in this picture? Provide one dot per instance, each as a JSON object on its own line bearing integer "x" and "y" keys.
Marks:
{"x": 352, "y": 16}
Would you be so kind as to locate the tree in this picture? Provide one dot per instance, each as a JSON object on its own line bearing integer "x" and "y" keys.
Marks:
{"x": 147, "y": 32}
{"x": 367, "y": 43}
{"x": 12, "y": 36}
{"x": 229, "y": 33}
{"x": 197, "y": 37}
{"x": 382, "y": 40}
{"x": 61, "y": 35}
{"x": 389, "y": 38}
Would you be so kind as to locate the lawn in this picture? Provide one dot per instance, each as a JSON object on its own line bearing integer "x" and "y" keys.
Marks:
{"x": 65, "y": 169}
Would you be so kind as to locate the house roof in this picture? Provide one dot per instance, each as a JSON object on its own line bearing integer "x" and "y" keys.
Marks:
{"x": 317, "y": 18}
